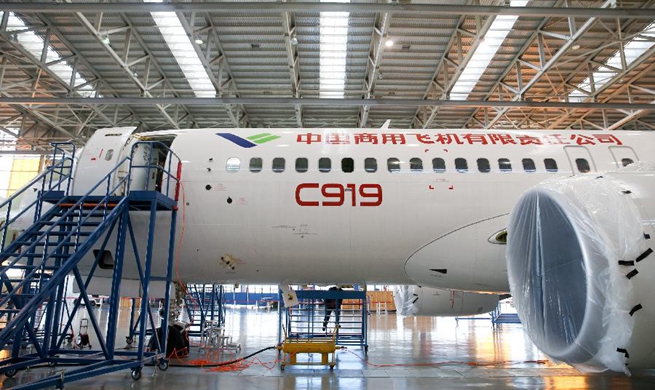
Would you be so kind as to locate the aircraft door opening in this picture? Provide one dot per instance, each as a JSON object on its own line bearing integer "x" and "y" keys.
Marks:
{"x": 580, "y": 160}
{"x": 623, "y": 155}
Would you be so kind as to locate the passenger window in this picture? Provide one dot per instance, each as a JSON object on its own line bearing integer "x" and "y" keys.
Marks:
{"x": 301, "y": 165}
{"x": 255, "y": 164}
{"x": 416, "y": 165}
{"x": 528, "y": 165}
{"x": 393, "y": 165}
{"x": 438, "y": 165}
{"x": 324, "y": 164}
{"x": 504, "y": 165}
{"x": 233, "y": 164}
{"x": 278, "y": 164}
{"x": 461, "y": 165}
{"x": 627, "y": 161}
{"x": 583, "y": 165}
{"x": 551, "y": 165}
{"x": 370, "y": 164}
{"x": 483, "y": 165}
{"x": 110, "y": 154}
{"x": 347, "y": 165}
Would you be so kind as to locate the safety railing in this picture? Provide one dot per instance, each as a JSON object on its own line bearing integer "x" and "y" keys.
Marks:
{"x": 56, "y": 177}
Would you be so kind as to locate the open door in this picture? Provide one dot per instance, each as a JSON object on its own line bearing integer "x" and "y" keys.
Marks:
{"x": 580, "y": 159}
{"x": 623, "y": 156}
{"x": 100, "y": 155}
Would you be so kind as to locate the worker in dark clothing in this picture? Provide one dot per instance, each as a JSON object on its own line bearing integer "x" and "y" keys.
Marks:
{"x": 330, "y": 306}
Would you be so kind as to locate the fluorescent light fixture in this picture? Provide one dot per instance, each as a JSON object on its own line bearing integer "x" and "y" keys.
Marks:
{"x": 388, "y": 43}
{"x": 34, "y": 45}
{"x": 485, "y": 52}
{"x": 633, "y": 50}
{"x": 198, "y": 41}
{"x": 180, "y": 45}
{"x": 333, "y": 51}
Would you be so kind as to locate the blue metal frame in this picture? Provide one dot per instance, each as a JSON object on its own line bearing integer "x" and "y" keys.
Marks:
{"x": 307, "y": 323}
{"x": 204, "y": 303}
{"x": 51, "y": 249}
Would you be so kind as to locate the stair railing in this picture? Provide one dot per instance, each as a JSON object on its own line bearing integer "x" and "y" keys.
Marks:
{"x": 56, "y": 177}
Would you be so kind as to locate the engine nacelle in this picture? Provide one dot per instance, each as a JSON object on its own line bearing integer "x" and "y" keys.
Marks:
{"x": 581, "y": 269}
{"x": 426, "y": 301}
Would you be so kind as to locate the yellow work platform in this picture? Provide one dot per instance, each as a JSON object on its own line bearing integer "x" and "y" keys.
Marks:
{"x": 291, "y": 347}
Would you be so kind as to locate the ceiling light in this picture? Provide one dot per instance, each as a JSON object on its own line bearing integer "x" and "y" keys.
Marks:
{"x": 575, "y": 47}
{"x": 388, "y": 43}
{"x": 294, "y": 40}
{"x": 198, "y": 40}
{"x": 105, "y": 40}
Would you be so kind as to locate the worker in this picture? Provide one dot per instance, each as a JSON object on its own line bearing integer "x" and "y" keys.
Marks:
{"x": 330, "y": 306}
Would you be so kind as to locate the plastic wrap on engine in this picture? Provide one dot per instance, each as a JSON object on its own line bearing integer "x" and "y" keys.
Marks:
{"x": 404, "y": 300}
{"x": 565, "y": 238}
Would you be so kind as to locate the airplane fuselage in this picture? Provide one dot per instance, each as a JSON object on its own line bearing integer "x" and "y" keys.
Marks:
{"x": 355, "y": 206}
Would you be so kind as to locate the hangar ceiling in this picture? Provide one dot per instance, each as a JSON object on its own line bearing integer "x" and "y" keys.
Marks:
{"x": 69, "y": 68}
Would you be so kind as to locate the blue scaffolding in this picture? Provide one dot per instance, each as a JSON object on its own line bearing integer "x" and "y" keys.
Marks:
{"x": 51, "y": 249}
{"x": 204, "y": 306}
{"x": 312, "y": 319}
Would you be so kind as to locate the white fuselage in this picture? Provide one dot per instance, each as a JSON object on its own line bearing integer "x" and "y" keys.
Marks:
{"x": 403, "y": 227}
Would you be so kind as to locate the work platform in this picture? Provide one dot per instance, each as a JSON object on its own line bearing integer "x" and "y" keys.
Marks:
{"x": 66, "y": 227}
{"x": 312, "y": 319}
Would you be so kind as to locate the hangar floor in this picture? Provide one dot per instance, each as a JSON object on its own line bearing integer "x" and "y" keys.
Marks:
{"x": 404, "y": 353}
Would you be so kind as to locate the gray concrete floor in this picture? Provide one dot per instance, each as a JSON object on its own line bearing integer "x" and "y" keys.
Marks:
{"x": 404, "y": 353}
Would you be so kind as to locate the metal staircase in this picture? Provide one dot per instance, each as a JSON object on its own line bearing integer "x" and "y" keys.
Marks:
{"x": 65, "y": 228}
{"x": 204, "y": 305}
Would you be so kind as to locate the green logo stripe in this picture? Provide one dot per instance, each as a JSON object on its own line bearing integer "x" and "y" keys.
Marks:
{"x": 263, "y": 138}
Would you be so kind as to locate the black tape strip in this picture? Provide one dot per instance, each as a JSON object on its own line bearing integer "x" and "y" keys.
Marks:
{"x": 440, "y": 270}
{"x": 644, "y": 255}
{"x": 636, "y": 308}
{"x": 632, "y": 274}
{"x": 626, "y": 262}
{"x": 623, "y": 351}
{"x": 647, "y": 236}
{"x": 627, "y": 192}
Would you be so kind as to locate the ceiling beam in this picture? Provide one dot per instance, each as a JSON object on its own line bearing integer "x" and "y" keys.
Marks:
{"x": 281, "y": 101}
{"x": 373, "y": 63}
{"x": 277, "y": 7}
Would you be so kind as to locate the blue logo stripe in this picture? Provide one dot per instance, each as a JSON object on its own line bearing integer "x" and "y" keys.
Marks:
{"x": 237, "y": 140}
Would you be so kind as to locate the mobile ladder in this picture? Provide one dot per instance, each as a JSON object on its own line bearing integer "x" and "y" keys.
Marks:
{"x": 65, "y": 228}
{"x": 310, "y": 320}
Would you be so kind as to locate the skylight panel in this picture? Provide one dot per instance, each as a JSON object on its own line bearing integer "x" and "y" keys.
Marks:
{"x": 180, "y": 45}
{"x": 485, "y": 52}
{"x": 34, "y": 45}
{"x": 632, "y": 50}
{"x": 333, "y": 51}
